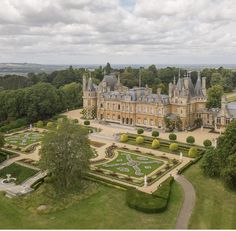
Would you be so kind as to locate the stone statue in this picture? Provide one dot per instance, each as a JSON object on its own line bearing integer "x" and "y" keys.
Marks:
{"x": 145, "y": 181}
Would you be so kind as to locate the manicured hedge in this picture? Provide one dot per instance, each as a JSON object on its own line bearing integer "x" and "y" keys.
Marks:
{"x": 194, "y": 161}
{"x": 164, "y": 190}
{"x": 150, "y": 203}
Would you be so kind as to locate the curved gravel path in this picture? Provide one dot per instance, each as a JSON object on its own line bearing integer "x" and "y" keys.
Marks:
{"x": 188, "y": 205}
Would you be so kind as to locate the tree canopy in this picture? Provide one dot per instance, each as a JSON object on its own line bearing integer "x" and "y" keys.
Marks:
{"x": 221, "y": 162}
{"x": 65, "y": 154}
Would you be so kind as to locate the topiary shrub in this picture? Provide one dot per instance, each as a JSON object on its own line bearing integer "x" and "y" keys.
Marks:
{"x": 172, "y": 136}
{"x": 155, "y": 133}
{"x": 140, "y": 131}
{"x": 192, "y": 152}
{"x": 75, "y": 121}
{"x": 50, "y": 125}
{"x": 86, "y": 122}
{"x": 155, "y": 143}
{"x": 124, "y": 138}
{"x": 139, "y": 139}
{"x": 174, "y": 147}
{"x": 39, "y": 124}
{"x": 190, "y": 140}
{"x": 207, "y": 143}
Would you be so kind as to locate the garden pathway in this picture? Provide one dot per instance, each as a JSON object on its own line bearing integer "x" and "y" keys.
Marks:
{"x": 189, "y": 202}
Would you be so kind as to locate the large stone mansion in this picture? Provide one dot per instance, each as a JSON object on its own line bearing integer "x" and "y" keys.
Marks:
{"x": 112, "y": 102}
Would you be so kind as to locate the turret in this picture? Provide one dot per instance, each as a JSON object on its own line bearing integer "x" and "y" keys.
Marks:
{"x": 170, "y": 90}
{"x": 84, "y": 82}
{"x": 204, "y": 85}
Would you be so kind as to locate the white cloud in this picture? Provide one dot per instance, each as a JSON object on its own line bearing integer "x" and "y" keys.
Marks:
{"x": 97, "y": 31}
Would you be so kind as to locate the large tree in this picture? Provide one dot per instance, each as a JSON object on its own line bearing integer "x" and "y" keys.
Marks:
{"x": 65, "y": 154}
{"x": 221, "y": 162}
{"x": 214, "y": 95}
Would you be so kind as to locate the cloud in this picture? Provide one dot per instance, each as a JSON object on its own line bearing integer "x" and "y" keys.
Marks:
{"x": 120, "y": 31}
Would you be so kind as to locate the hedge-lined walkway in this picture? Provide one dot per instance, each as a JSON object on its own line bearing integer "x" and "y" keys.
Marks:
{"x": 188, "y": 205}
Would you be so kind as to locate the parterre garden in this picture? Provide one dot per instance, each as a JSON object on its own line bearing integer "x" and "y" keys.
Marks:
{"x": 125, "y": 167}
{"x": 24, "y": 141}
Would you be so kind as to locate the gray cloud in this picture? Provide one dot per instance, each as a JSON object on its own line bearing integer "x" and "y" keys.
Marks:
{"x": 82, "y": 31}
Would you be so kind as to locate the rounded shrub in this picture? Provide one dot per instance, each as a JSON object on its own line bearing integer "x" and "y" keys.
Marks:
{"x": 155, "y": 143}
{"x": 172, "y": 136}
{"x": 86, "y": 122}
{"x": 192, "y": 152}
{"x": 50, "y": 125}
{"x": 173, "y": 147}
{"x": 207, "y": 143}
{"x": 155, "y": 133}
{"x": 39, "y": 124}
{"x": 140, "y": 131}
{"x": 61, "y": 120}
{"x": 139, "y": 139}
{"x": 190, "y": 140}
{"x": 123, "y": 138}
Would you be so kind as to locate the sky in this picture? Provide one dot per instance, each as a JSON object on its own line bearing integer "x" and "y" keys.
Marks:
{"x": 118, "y": 31}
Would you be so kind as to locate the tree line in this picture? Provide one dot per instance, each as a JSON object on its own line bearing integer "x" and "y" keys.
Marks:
{"x": 40, "y": 96}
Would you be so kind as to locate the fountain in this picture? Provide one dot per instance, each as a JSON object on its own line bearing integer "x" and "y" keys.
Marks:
{"x": 9, "y": 179}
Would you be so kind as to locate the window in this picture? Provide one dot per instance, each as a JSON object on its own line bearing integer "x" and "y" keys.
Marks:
{"x": 118, "y": 106}
{"x": 227, "y": 121}
{"x": 218, "y": 120}
{"x": 101, "y": 105}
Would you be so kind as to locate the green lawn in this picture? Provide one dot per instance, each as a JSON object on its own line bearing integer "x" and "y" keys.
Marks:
{"x": 121, "y": 164}
{"x": 24, "y": 139}
{"x": 215, "y": 207}
{"x": 104, "y": 210}
{"x": 17, "y": 171}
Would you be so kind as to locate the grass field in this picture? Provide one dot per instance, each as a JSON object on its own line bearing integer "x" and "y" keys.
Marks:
{"x": 128, "y": 163}
{"x": 17, "y": 171}
{"x": 23, "y": 139}
{"x": 215, "y": 207}
{"x": 104, "y": 210}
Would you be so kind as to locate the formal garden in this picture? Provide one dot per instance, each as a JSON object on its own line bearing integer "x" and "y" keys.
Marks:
{"x": 24, "y": 141}
{"x": 133, "y": 168}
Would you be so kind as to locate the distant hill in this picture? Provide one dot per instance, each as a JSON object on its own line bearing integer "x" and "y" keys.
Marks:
{"x": 24, "y": 68}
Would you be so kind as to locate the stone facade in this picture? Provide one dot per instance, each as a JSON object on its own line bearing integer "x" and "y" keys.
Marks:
{"x": 112, "y": 102}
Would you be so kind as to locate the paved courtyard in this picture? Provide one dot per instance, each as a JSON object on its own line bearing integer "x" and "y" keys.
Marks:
{"x": 111, "y": 129}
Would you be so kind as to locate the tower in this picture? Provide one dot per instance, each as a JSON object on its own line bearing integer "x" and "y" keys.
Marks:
{"x": 89, "y": 98}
